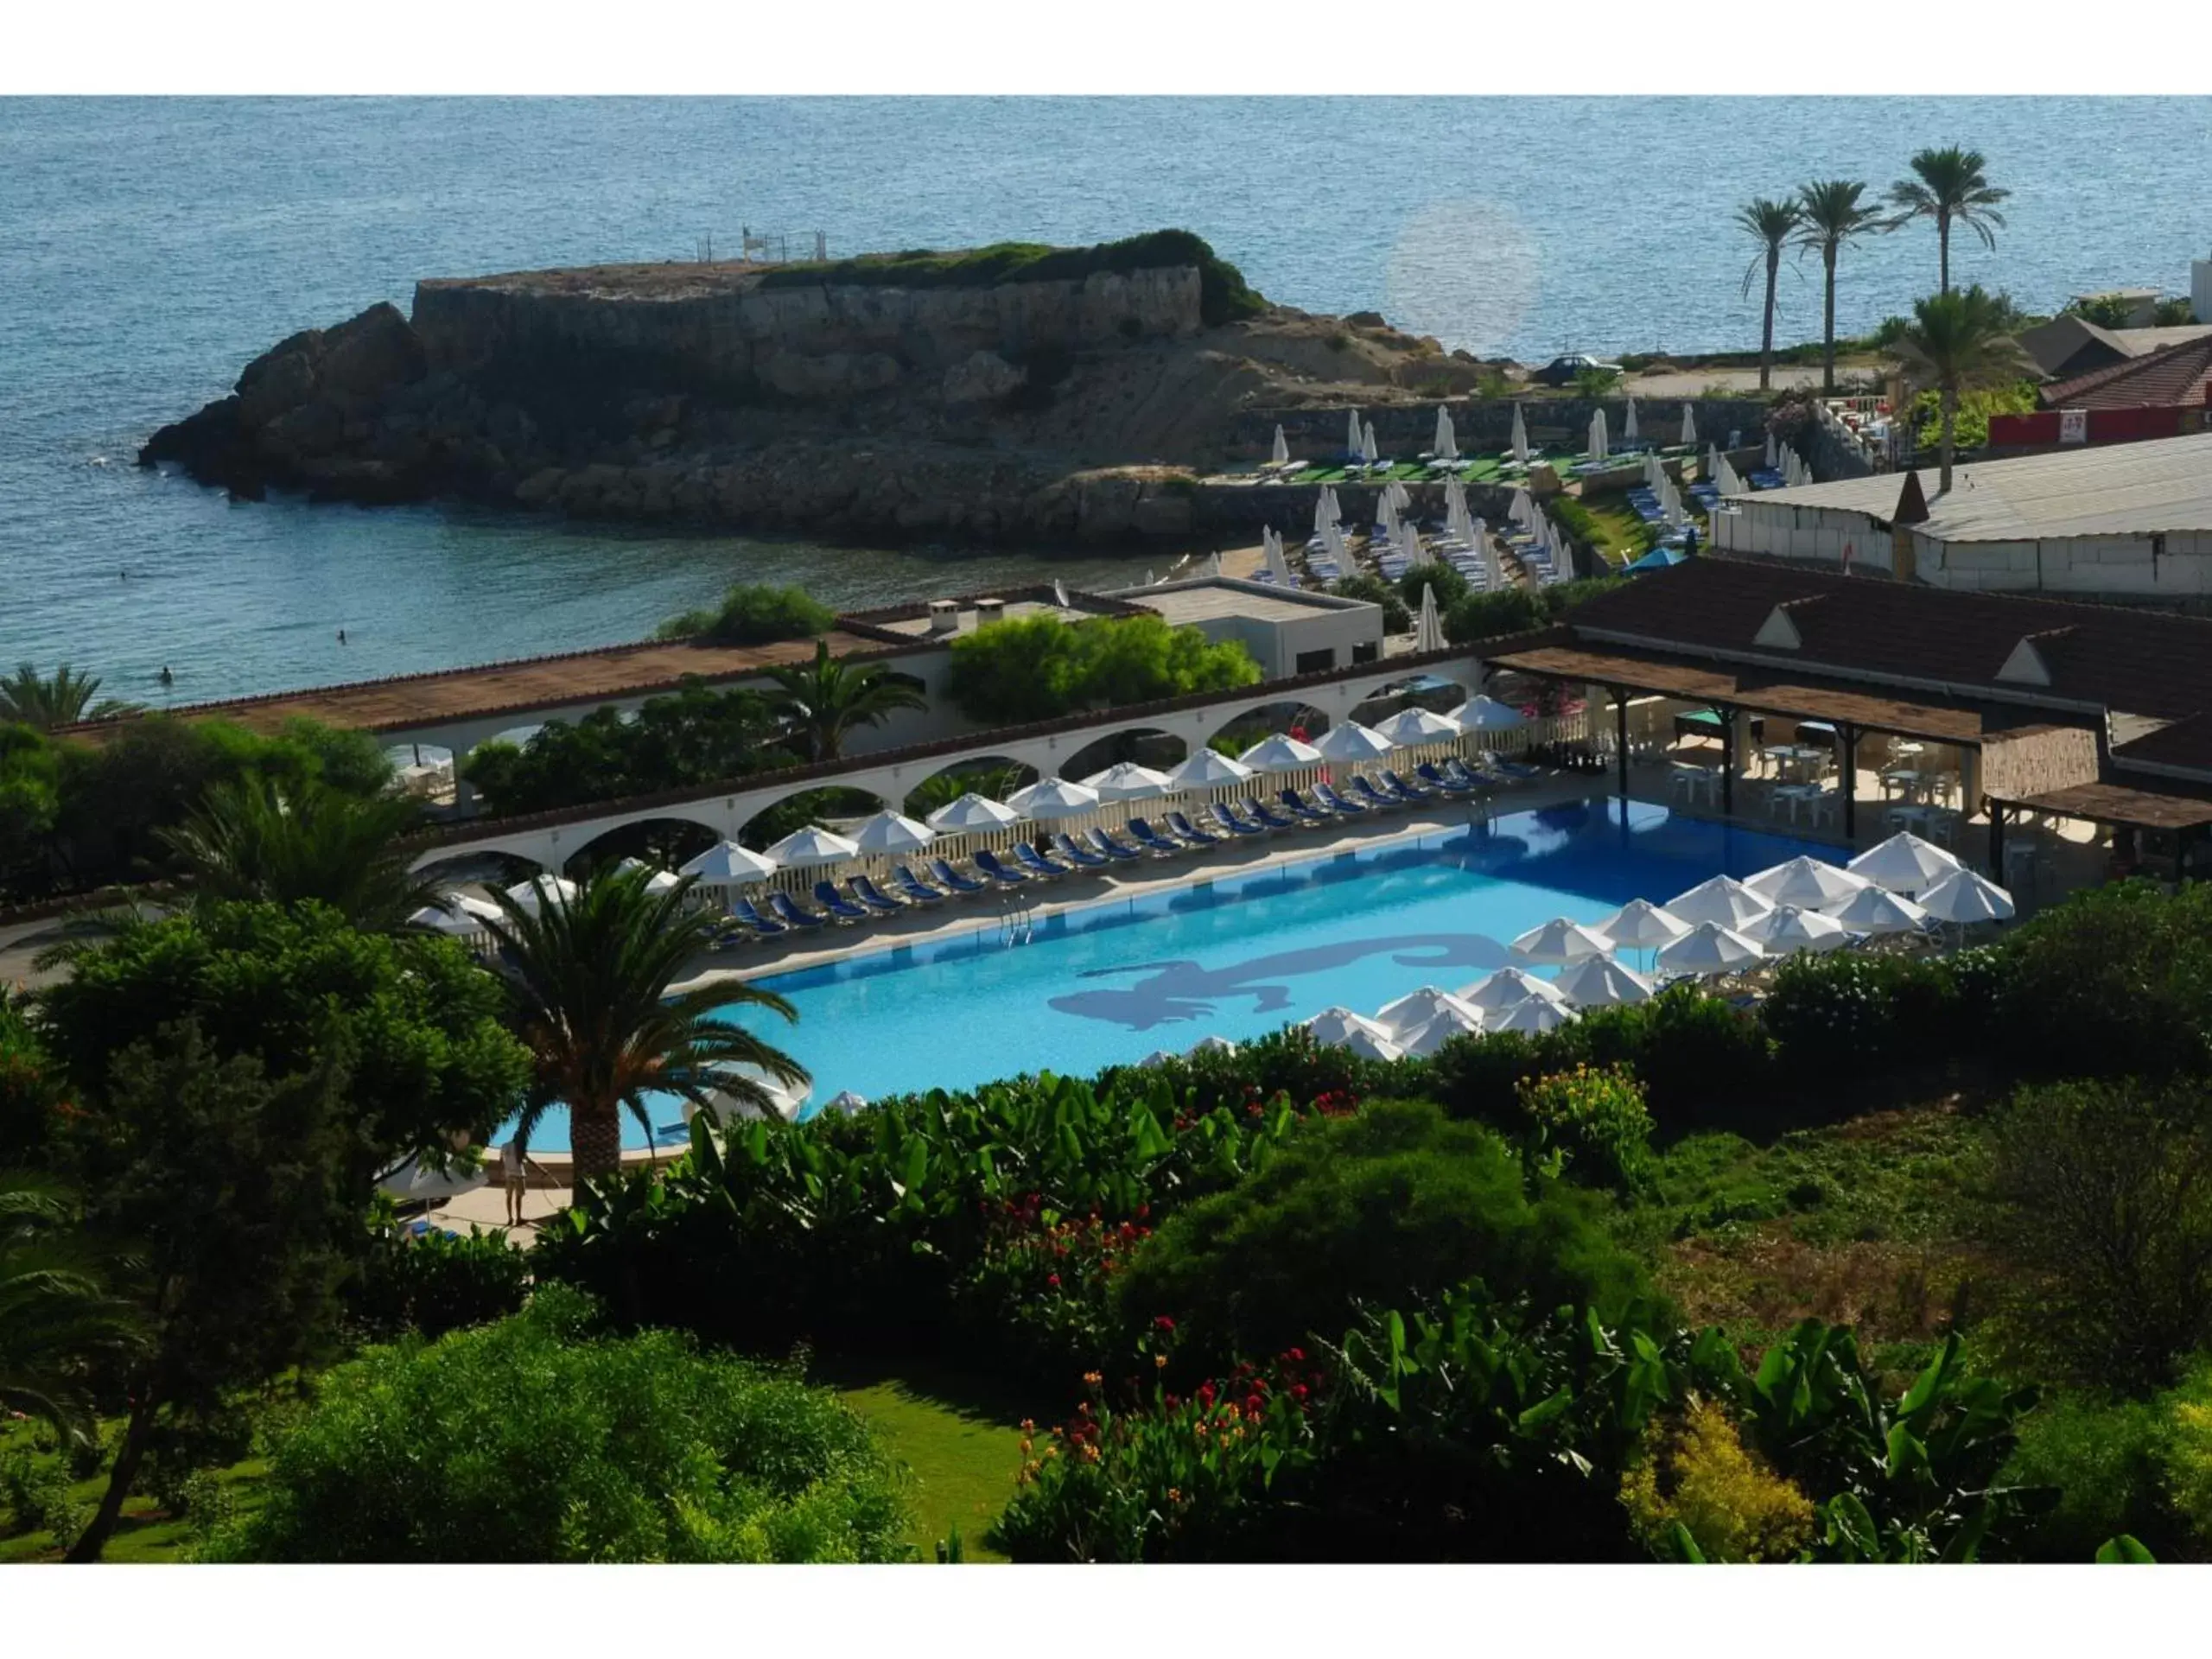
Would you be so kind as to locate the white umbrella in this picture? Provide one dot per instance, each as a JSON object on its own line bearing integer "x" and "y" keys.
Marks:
{"x": 845, "y": 1101}
{"x": 1353, "y": 743}
{"x": 973, "y": 812}
{"x": 1559, "y": 941}
{"x": 1481, "y": 713}
{"x": 1207, "y": 769}
{"x": 456, "y": 913}
{"x": 1769, "y": 452}
{"x": 1279, "y": 456}
{"x": 1415, "y": 1009}
{"x": 1333, "y": 1026}
{"x": 1447, "y": 442}
{"x": 1280, "y": 752}
{"x": 1905, "y": 863}
{"x": 657, "y": 881}
{"x": 784, "y": 1099}
{"x": 1599, "y": 450}
{"x": 530, "y": 896}
{"x": 1351, "y": 432}
{"x": 812, "y": 848}
{"x": 1787, "y": 928}
{"x": 1368, "y": 452}
{"x": 1054, "y": 797}
{"x": 1709, "y": 948}
{"x": 1964, "y": 896}
{"x": 1494, "y": 993}
{"x": 1212, "y": 1045}
{"x": 1519, "y": 443}
{"x": 1368, "y": 1046}
{"x": 1428, "y": 628}
{"x": 1601, "y": 982}
{"x": 726, "y": 862}
{"x": 1876, "y": 910}
{"x": 1723, "y": 899}
{"x": 1127, "y": 781}
{"x": 1809, "y": 883}
{"x": 412, "y": 1181}
{"x": 1689, "y": 424}
{"x": 891, "y": 832}
{"x": 1628, "y": 423}
{"x": 1278, "y": 566}
{"x": 1322, "y": 517}
{"x": 1159, "y": 1057}
{"x": 1412, "y": 726}
{"x": 1642, "y": 925}
{"x": 1532, "y": 1016}
{"x": 1463, "y": 1020}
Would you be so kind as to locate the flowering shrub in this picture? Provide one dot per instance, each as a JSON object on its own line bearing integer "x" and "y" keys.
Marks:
{"x": 1040, "y": 1287}
{"x": 1594, "y": 1117}
{"x": 1695, "y": 1473}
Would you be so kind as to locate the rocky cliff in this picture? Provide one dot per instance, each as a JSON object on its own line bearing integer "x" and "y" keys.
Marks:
{"x": 1010, "y": 395}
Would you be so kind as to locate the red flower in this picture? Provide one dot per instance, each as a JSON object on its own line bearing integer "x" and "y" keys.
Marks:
{"x": 1297, "y": 1356}
{"x": 1298, "y": 1391}
{"x": 1054, "y": 1281}
{"x": 1206, "y": 1394}
{"x": 1163, "y": 1323}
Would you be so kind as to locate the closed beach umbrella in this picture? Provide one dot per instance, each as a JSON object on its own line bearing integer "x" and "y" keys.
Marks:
{"x": 1278, "y": 566}
{"x": 1322, "y": 519}
{"x": 1127, "y": 781}
{"x": 1519, "y": 441}
{"x": 1212, "y": 1045}
{"x": 1280, "y": 752}
{"x": 1447, "y": 441}
{"x": 1560, "y": 942}
{"x": 1642, "y": 925}
{"x": 1054, "y": 797}
{"x": 1965, "y": 898}
{"x": 531, "y": 896}
{"x": 1481, "y": 713}
{"x": 1786, "y": 928}
{"x": 1450, "y": 1022}
{"x": 1352, "y": 433}
{"x": 726, "y": 862}
{"x": 1532, "y": 1016}
{"x": 1769, "y": 452}
{"x": 1352, "y": 743}
{"x": 1601, "y": 982}
{"x": 1279, "y": 455}
{"x": 1414, "y": 1010}
{"x": 1368, "y": 452}
{"x": 1709, "y": 948}
{"x": 1723, "y": 899}
{"x": 1877, "y": 910}
{"x": 1333, "y": 1026}
{"x": 1412, "y": 727}
{"x": 1208, "y": 769}
{"x": 812, "y": 848}
{"x": 1494, "y": 993}
{"x": 1598, "y": 449}
{"x": 1905, "y": 863}
{"x": 1628, "y": 423}
{"x": 1808, "y": 883}
{"x": 1428, "y": 628}
{"x": 1689, "y": 424}
{"x": 891, "y": 832}
{"x": 972, "y": 811}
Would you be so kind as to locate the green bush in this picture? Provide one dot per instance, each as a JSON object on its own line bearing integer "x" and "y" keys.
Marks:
{"x": 1034, "y": 668}
{"x": 437, "y": 1282}
{"x": 1593, "y": 1119}
{"x": 534, "y": 1440}
{"x": 753, "y": 615}
{"x": 1396, "y": 618}
{"x": 1449, "y": 584}
{"x": 1515, "y": 610}
{"x": 2116, "y": 981}
{"x": 2102, "y": 1461}
{"x": 1396, "y": 1203}
{"x": 1843, "y": 1016}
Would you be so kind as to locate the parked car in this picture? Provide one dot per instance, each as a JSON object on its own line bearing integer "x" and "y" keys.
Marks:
{"x": 1561, "y": 371}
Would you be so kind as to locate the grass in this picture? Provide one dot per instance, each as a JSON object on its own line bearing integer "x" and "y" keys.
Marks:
{"x": 146, "y": 1533}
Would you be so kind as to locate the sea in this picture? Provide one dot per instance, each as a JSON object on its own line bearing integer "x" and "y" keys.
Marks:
{"x": 149, "y": 248}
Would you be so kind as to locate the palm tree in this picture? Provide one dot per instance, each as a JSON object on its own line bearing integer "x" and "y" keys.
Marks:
{"x": 254, "y": 839}
{"x": 590, "y": 980}
{"x": 1956, "y": 341}
{"x": 827, "y": 698}
{"x": 1773, "y": 223}
{"x": 1834, "y": 216}
{"x": 1949, "y": 187}
{"x": 46, "y": 702}
{"x": 58, "y": 1319}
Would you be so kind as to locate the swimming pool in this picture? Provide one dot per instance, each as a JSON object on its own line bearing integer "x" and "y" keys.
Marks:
{"x": 1239, "y": 955}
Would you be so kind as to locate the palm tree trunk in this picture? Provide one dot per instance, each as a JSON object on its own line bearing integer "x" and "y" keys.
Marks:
{"x": 594, "y": 1139}
{"x": 1828, "y": 322}
{"x": 1943, "y": 249}
{"x": 122, "y": 1475}
{"x": 1950, "y": 420}
{"x": 1766, "y": 339}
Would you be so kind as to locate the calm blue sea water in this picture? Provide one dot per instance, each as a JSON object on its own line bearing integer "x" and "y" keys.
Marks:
{"x": 1242, "y": 957}
{"x": 148, "y": 248}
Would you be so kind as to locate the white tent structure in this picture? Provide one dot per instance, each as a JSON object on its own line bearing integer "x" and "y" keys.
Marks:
{"x": 1208, "y": 769}
{"x": 531, "y": 896}
{"x": 1640, "y": 925}
{"x": 811, "y": 848}
{"x": 1280, "y": 752}
{"x": 1428, "y": 626}
{"x": 1689, "y": 425}
{"x": 1414, "y": 1010}
{"x": 1127, "y": 781}
{"x": 1350, "y": 743}
{"x": 1723, "y": 899}
{"x": 1519, "y": 443}
{"x": 1412, "y": 727}
{"x": 1494, "y": 992}
{"x": 727, "y": 864}
{"x": 1531, "y": 1015}
{"x": 1878, "y": 911}
{"x": 1560, "y": 942}
{"x": 1787, "y": 929}
{"x": 1279, "y": 455}
{"x": 970, "y": 812}
{"x": 1966, "y": 897}
{"x": 1808, "y": 883}
{"x": 1905, "y": 863}
{"x": 1447, "y": 445}
{"x": 1050, "y": 798}
{"x": 1709, "y": 948}
{"x": 1332, "y": 1027}
{"x": 891, "y": 832}
{"x": 1601, "y": 982}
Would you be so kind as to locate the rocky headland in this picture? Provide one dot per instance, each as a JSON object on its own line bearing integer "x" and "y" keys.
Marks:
{"x": 1007, "y": 395}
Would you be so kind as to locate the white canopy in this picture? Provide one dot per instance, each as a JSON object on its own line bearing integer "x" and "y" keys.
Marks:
{"x": 972, "y": 811}
{"x": 1964, "y": 896}
{"x": 1127, "y": 781}
{"x": 1709, "y": 948}
{"x": 1559, "y": 941}
{"x": 726, "y": 861}
{"x": 1212, "y": 1045}
{"x": 1333, "y": 1027}
{"x": 1787, "y": 928}
{"x": 1412, "y": 726}
{"x": 1486, "y": 714}
{"x": 1414, "y": 1010}
{"x": 891, "y": 832}
{"x": 1054, "y": 797}
{"x": 1809, "y": 883}
{"x": 1207, "y": 769}
{"x": 1460, "y": 1020}
{"x": 1642, "y": 925}
{"x": 1905, "y": 863}
{"x": 1601, "y": 982}
{"x": 412, "y": 1181}
{"x": 1496, "y": 992}
{"x": 1348, "y": 740}
{"x": 1280, "y": 752}
{"x": 530, "y": 896}
{"x": 1723, "y": 899}
{"x": 1532, "y": 1015}
{"x": 1876, "y": 910}
{"x": 811, "y": 848}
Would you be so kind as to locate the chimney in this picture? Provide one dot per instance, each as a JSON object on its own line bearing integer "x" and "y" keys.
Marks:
{"x": 944, "y": 616}
{"x": 988, "y": 611}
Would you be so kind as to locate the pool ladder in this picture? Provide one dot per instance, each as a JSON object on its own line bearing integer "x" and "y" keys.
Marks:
{"x": 1017, "y": 923}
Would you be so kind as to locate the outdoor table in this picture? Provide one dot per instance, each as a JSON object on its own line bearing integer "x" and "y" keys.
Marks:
{"x": 1909, "y": 784}
{"x": 1695, "y": 781}
{"x": 1797, "y": 798}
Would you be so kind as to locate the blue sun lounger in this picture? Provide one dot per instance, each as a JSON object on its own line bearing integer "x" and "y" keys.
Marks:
{"x": 1181, "y": 824}
{"x": 1118, "y": 851}
{"x": 913, "y": 888}
{"x": 1362, "y": 789}
{"x": 1081, "y": 857}
{"x": 952, "y": 880}
{"x": 1328, "y": 797}
{"x": 1267, "y": 815}
{"x": 766, "y": 927}
{"x": 874, "y": 898}
{"x": 1228, "y": 820}
{"x": 1461, "y": 773}
{"x": 1304, "y": 811}
{"x": 1037, "y": 864}
{"x": 1433, "y": 775}
{"x": 780, "y": 905}
{"x": 1411, "y": 791}
{"x": 1152, "y": 840}
{"x": 840, "y": 907}
{"x": 989, "y": 863}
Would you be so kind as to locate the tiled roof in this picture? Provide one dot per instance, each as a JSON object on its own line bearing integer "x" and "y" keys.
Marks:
{"x": 2172, "y": 378}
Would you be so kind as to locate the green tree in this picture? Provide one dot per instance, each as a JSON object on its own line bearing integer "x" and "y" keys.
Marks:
{"x": 60, "y": 1321}
{"x": 44, "y": 702}
{"x": 1957, "y": 341}
{"x": 694, "y": 735}
{"x": 2174, "y": 314}
{"x": 1773, "y": 223}
{"x": 1834, "y": 215}
{"x": 257, "y": 840}
{"x": 829, "y": 697}
{"x": 590, "y": 998}
{"x": 30, "y": 799}
{"x": 1038, "y": 667}
{"x": 2105, "y": 310}
{"x": 1396, "y": 619}
{"x": 753, "y": 615}
{"x": 1948, "y": 187}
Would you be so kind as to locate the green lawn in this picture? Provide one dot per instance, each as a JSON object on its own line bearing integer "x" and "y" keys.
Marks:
{"x": 959, "y": 1435}
{"x": 145, "y": 1533}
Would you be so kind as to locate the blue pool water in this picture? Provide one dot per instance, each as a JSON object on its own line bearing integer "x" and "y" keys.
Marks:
{"x": 1239, "y": 957}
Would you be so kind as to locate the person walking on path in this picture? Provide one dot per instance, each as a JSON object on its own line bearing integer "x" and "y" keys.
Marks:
{"x": 515, "y": 1166}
